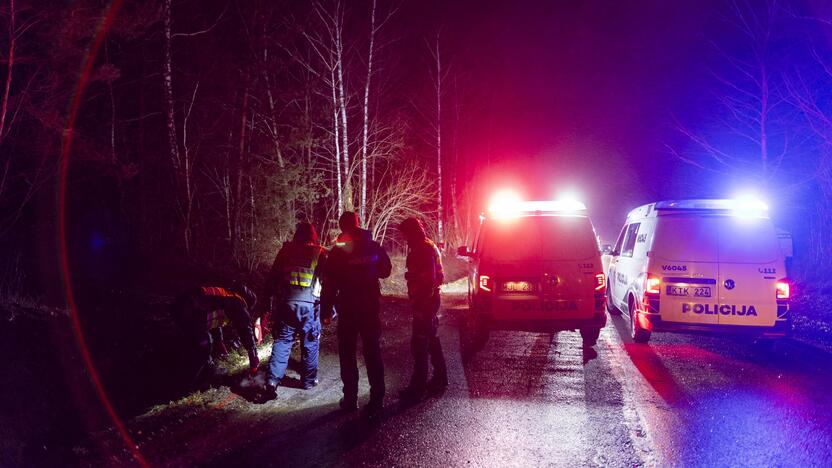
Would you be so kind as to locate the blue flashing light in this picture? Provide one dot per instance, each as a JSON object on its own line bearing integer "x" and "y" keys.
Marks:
{"x": 742, "y": 207}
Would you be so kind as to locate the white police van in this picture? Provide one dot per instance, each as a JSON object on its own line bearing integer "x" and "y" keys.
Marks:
{"x": 700, "y": 265}
{"x": 536, "y": 266}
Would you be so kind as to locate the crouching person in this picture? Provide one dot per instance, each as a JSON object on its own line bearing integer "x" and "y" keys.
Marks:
{"x": 294, "y": 284}
{"x": 207, "y": 308}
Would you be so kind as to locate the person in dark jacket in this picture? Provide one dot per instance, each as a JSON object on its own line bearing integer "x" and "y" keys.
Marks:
{"x": 424, "y": 277}
{"x": 208, "y": 307}
{"x": 295, "y": 284}
{"x": 351, "y": 284}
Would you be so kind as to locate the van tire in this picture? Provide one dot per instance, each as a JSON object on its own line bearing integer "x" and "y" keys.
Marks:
{"x": 638, "y": 334}
{"x": 611, "y": 308}
{"x": 590, "y": 336}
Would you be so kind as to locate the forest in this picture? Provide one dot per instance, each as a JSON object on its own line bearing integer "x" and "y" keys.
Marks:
{"x": 199, "y": 133}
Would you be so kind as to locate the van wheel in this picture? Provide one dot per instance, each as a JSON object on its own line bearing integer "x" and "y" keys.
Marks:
{"x": 590, "y": 336}
{"x": 638, "y": 334}
{"x": 612, "y": 309}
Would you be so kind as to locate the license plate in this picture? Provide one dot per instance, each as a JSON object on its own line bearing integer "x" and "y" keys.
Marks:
{"x": 518, "y": 286}
{"x": 688, "y": 291}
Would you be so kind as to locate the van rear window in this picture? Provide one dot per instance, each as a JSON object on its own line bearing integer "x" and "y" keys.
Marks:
{"x": 748, "y": 241}
{"x": 715, "y": 239}
{"x": 544, "y": 238}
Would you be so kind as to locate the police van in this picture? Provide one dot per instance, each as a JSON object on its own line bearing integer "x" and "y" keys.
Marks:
{"x": 536, "y": 266}
{"x": 700, "y": 266}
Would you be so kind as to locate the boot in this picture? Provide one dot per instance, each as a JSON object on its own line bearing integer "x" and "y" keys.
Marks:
{"x": 373, "y": 409}
{"x": 348, "y": 404}
{"x": 437, "y": 385}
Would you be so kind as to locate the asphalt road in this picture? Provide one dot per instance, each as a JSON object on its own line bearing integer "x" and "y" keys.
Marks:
{"x": 530, "y": 399}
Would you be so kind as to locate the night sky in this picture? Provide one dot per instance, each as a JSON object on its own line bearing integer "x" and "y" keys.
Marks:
{"x": 583, "y": 96}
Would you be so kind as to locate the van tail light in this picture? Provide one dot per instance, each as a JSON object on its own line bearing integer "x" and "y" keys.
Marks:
{"x": 784, "y": 289}
{"x": 600, "y": 289}
{"x": 652, "y": 285}
{"x": 600, "y": 282}
{"x": 486, "y": 283}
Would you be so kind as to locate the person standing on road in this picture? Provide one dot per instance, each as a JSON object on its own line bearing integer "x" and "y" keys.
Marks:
{"x": 424, "y": 277}
{"x": 351, "y": 285}
{"x": 295, "y": 284}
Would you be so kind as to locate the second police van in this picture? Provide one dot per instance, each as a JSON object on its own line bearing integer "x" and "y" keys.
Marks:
{"x": 536, "y": 266}
{"x": 700, "y": 265}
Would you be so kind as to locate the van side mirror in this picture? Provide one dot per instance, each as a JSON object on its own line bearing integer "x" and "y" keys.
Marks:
{"x": 463, "y": 251}
{"x": 606, "y": 249}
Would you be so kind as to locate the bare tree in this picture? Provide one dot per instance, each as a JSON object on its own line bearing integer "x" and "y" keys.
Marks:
{"x": 338, "y": 43}
{"x": 363, "y": 200}
{"x": 402, "y": 192}
{"x": 4, "y": 105}
{"x": 753, "y": 109}
{"x": 438, "y": 78}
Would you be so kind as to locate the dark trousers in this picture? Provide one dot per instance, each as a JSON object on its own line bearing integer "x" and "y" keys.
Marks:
{"x": 295, "y": 318}
{"x": 354, "y": 321}
{"x": 425, "y": 343}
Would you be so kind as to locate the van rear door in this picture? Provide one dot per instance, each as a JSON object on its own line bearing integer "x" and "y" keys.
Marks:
{"x": 750, "y": 263}
{"x": 544, "y": 267}
{"x": 685, "y": 255}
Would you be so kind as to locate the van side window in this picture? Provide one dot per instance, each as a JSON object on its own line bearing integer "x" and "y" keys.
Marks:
{"x": 620, "y": 241}
{"x": 630, "y": 240}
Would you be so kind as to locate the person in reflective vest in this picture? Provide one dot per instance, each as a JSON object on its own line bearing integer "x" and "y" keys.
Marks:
{"x": 294, "y": 283}
{"x": 424, "y": 277}
{"x": 208, "y": 307}
{"x": 351, "y": 284}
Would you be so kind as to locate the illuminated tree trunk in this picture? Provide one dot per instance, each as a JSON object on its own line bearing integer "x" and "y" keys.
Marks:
{"x": 342, "y": 105}
{"x": 4, "y": 107}
{"x": 440, "y": 230}
{"x": 335, "y": 126}
{"x": 363, "y": 200}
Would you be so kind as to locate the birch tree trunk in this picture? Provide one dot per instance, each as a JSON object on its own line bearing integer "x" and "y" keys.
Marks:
{"x": 363, "y": 199}
{"x": 342, "y": 105}
{"x": 167, "y": 84}
{"x": 440, "y": 230}
{"x": 180, "y": 179}
{"x": 238, "y": 176}
{"x": 4, "y": 107}
{"x": 335, "y": 126}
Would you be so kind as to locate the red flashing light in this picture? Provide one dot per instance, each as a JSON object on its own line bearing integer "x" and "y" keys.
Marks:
{"x": 486, "y": 283}
{"x": 783, "y": 289}
{"x": 653, "y": 285}
{"x": 600, "y": 282}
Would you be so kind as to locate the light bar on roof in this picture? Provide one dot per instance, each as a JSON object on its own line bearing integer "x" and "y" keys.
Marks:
{"x": 519, "y": 208}
{"x": 746, "y": 207}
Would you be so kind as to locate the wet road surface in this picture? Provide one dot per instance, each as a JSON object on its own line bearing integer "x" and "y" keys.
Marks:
{"x": 529, "y": 399}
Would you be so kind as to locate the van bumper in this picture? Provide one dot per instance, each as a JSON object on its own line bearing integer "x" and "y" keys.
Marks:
{"x": 782, "y": 327}
{"x": 481, "y": 307}
{"x": 543, "y": 325}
